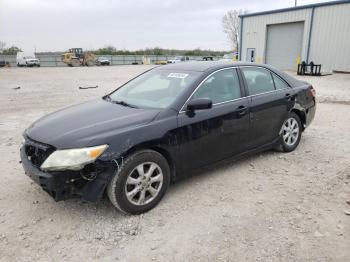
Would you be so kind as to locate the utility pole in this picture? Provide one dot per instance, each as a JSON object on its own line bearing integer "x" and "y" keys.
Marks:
{"x": 295, "y": 3}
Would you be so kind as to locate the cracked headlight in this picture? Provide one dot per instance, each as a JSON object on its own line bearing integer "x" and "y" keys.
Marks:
{"x": 72, "y": 159}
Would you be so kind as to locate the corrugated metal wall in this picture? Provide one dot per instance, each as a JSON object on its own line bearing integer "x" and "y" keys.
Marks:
{"x": 330, "y": 38}
{"x": 255, "y": 30}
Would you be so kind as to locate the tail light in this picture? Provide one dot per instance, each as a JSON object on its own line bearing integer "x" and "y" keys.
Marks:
{"x": 313, "y": 91}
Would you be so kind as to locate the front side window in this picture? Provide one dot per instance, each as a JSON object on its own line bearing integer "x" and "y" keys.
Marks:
{"x": 220, "y": 87}
{"x": 154, "y": 89}
{"x": 258, "y": 80}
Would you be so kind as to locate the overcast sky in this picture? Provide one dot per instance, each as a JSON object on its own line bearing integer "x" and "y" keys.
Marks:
{"x": 56, "y": 25}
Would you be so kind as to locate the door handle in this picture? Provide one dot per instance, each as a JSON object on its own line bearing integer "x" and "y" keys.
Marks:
{"x": 241, "y": 110}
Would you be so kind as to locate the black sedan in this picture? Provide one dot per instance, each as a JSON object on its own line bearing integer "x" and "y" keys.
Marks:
{"x": 162, "y": 124}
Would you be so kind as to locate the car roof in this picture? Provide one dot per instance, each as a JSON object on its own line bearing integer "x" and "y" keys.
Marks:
{"x": 202, "y": 66}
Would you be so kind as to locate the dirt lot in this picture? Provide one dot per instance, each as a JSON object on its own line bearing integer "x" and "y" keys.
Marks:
{"x": 269, "y": 207}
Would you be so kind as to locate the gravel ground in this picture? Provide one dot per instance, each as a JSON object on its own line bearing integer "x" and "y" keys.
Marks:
{"x": 269, "y": 207}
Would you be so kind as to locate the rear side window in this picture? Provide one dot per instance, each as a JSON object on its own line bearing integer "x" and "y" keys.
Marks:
{"x": 258, "y": 80}
{"x": 221, "y": 86}
{"x": 279, "y": 83}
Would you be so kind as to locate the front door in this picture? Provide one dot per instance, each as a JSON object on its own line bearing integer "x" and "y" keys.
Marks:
{"x": 213, "y": 134}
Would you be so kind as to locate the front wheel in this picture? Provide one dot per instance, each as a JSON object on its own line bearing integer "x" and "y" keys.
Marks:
{"x": 140, "y": 183}
{"x": 89, "y": 63}
{"x": 75, "y": 63}
{"x": 290, "y": 133}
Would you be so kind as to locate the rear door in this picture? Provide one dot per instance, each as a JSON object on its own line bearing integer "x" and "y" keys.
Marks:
{"x": 271, "y": 99}
{"x": 221, "y": 131}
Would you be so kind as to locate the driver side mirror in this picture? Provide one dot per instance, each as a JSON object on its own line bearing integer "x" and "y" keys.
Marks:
{"x": 199, "y": 104}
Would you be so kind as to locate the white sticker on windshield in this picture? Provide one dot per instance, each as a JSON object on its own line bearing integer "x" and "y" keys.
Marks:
{"x": 178, "y": 75}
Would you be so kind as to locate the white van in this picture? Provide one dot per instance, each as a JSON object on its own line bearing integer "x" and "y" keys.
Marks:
{"x": 27, "y": 59}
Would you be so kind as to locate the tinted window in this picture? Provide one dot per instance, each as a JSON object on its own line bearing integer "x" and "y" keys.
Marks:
{"x": 258, "y": 80}
{"x": 222, "y": 86}
{"x": 279, "y": 83}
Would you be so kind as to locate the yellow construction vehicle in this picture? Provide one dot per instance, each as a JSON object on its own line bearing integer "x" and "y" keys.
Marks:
{"x": 76, "y": 57}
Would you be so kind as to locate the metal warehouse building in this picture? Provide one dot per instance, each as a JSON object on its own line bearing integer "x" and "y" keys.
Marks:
{"x": 284, "y": 37}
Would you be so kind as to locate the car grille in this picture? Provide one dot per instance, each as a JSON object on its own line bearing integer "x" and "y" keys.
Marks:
{"x": 37, "y": 152}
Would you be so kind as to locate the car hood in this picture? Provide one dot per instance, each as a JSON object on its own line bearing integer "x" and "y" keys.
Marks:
{"x": 78, "y": 126}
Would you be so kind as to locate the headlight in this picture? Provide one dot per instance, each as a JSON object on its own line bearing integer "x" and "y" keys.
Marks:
{"x": 72, "y": 159}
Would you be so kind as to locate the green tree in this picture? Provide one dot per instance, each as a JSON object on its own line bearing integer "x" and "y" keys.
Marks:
{"x": 11, "y": 50}
{"x": 2, "y": 46}
{"x": 111, "y": 50}
{"x": 107, "y": 50}
{"x": 158, "y": 51}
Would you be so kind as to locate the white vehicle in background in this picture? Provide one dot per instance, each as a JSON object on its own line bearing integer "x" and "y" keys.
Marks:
{"x": 230, "y": 57}
{"x": 178, "y": 59}
{"x": 27, "y": 59}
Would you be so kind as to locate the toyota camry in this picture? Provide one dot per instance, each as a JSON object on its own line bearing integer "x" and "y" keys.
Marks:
{"x": 156, "y": 128}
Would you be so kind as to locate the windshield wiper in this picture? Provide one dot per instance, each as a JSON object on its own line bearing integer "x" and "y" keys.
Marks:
{"x": 121, "y": 102}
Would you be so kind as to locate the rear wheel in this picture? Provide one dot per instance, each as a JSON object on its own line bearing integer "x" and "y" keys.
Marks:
{"x": 140, "y": 183}
{"x": 290, "y": 133}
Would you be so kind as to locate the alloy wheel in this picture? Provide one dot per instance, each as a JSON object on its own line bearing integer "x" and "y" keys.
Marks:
{"x": 290, "y": 131}
{"x": 144, "y": 183}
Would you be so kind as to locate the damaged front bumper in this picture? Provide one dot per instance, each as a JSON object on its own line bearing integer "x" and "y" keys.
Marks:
{"x": 88, "y": 183}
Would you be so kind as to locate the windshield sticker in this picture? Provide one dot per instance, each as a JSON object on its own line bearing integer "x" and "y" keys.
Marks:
{"x": 178, "y": 75}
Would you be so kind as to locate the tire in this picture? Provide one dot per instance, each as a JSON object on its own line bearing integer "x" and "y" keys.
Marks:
{"x": 75, "y": 63}
{"x": 128, "y": 179}
{"x": 290, "y": 133}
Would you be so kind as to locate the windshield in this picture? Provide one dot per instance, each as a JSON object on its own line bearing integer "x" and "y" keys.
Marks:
{"x": 102, "y": 58}
{"x": 154, "y": 89}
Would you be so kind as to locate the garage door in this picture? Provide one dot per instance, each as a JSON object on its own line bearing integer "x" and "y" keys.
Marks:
{"x": 283, "y": 45}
